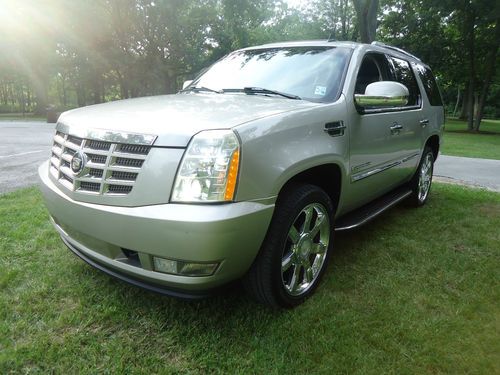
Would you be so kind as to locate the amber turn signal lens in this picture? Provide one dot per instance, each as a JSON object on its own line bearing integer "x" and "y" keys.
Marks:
{"x": 232, "y": 176}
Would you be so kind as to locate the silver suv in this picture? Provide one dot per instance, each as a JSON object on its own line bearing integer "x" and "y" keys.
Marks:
{"x": 248, "y": 171}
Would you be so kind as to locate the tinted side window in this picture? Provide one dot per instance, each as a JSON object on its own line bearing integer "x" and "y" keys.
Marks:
{"x": 374, "y": 68}
{"x": 404, "y": 74}
{"x": 430, "y": 85}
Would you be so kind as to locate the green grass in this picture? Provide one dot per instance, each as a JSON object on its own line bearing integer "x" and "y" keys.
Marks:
{"x": 414, "y": 292}
{"x": 459, "y": 142}
{"x": 21, "y": 117}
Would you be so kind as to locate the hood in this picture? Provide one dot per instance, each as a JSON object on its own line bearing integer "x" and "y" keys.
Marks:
{"x": 174, "y": 119}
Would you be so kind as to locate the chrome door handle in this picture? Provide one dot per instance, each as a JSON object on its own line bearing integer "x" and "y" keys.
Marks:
{"x": 335, "y": 128}
{"x": 396, "y": 128}
{"x": 424, "y": 122}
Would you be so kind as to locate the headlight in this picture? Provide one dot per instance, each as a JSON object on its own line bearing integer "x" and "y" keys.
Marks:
{"x": 209, "y": 168}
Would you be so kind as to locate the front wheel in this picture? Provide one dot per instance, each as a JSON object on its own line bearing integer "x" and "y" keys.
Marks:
{"x": 295, "y": 252}
{"x": 421, "y": 182}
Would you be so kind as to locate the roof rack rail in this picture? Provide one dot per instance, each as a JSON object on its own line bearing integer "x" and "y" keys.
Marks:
{"x": 380, "y": 44}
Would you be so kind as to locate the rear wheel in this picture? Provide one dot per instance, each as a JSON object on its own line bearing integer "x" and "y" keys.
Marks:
{"x": 296, "y": 249}
{"x": 421, "y": 182}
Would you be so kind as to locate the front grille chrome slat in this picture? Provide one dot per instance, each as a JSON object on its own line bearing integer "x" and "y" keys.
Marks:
{"x": 97, "y": 152}
{"x": 67, "y": 157}
{"x": 112, "y": 181}
{"x": 129, "y": 156}
{"x": 57, "y": 150}
{"x": 90, "y": 179}
{"x": 71, "y": 146}
{"x": 111, "y": 168}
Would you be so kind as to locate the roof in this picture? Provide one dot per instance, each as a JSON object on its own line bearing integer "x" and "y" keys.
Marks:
{"x": 307, "y": 43}
{"x": 377, "y": 46}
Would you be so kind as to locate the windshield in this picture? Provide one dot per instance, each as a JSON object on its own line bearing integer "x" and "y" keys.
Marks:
{"x": 311, "y": 73}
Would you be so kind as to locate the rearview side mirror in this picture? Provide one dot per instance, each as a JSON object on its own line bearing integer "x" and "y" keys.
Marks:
{"x": 383, "y": 94}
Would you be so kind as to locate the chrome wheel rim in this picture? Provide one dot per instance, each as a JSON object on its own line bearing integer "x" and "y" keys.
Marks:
{"x": 305, "y": 249}
{"x": 425, "y": 178}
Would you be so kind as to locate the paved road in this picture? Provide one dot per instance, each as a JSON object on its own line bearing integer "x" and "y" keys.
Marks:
{"x": 23, "y": 147}
{"x": 469, "y": 171}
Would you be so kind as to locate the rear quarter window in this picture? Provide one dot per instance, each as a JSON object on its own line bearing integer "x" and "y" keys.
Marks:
{"x": 430, "y": 86}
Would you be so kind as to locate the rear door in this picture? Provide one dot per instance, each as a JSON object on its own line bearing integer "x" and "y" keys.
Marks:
{"x": 432, "y": 106}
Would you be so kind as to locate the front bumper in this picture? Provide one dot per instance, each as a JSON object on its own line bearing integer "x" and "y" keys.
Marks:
{"x": 229, "y": 234}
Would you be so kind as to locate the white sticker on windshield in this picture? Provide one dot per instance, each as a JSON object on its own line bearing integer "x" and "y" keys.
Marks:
{"x": 320, "y": 90}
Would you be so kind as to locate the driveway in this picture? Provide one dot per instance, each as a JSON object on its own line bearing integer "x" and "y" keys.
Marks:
{"x": 483, "y": 173}
{"x": 23, "y": 147}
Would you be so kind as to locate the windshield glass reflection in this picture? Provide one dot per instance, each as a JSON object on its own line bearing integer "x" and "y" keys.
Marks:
{"x": 311, "y": 73}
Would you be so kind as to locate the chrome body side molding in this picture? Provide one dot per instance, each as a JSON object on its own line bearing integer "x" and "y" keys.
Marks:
{"x": 382, "y": 168}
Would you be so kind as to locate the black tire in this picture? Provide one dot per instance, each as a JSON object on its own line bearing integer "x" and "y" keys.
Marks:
{"x": 421, "y": 182}
{"x": 292, "y": 261}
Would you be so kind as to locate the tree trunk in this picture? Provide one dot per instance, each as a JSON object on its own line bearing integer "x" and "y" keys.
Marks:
{"x": 343, "y": 14}
{"x": 41, "y": 94}
{"x": 80, "y": 95}
{"x": 64, "y": 93}
{"x": 463, "y": 111}
{"x": 470, "y": 45}
{"x": 123, "y": 85}
{"x": 366, "y": 12}
{"x": 489, "y": 73}
{"x": 28, "y": 95}
{"x": 458, "y": 101}
{"x": 97, "y": 90}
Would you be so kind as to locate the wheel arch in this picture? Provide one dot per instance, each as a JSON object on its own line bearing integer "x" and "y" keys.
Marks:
{"x": 433, "y": 142}
{"x": 326, "y": 176}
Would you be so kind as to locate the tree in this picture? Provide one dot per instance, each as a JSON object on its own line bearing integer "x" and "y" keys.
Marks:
{"x": 490, "y": 67}
{"x": 464, "y": 33}
{"x": 75, "y": 53}
{"x": 366, "y": 13}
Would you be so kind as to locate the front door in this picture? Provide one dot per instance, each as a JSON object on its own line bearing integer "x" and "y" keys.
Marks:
{"x": 384, "y": 142}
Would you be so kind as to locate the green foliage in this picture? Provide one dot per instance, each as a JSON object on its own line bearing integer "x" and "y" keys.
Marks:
{"x": 438, "y": 32}
{"x": 74, "y": 53}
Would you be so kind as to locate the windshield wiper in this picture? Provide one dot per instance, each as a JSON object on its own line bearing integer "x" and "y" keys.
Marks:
{"x": 201, "y": 88}
{"x": 261, "y": 90}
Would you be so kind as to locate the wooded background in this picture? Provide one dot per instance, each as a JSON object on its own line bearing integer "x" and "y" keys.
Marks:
{"x": 70, "y": 53}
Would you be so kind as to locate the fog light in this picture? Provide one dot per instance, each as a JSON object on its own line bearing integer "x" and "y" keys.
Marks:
{"x": 177, "y": 267}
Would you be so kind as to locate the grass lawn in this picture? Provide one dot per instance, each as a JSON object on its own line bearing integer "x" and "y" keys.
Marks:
{"x": 414, "y": 292}
{"x": 21, "y": 117}
{"x": 459, "y": 142}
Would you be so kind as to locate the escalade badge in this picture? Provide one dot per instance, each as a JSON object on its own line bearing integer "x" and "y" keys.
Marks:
{"x": 78, "y": 162}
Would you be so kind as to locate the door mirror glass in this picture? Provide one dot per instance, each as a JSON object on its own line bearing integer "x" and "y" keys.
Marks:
{"x": 383, "y": 94}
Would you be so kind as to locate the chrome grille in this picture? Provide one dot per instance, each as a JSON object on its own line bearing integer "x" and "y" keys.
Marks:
{"x": 97, "y": 159}
{"x": 120, "y": 189}
{"x": 111, "y": 169}
{"x": 132, "y": 163}
{"x": 129, "y": 176}
{"x": 133, "y": 149}
{"x": 89, "y": 186}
